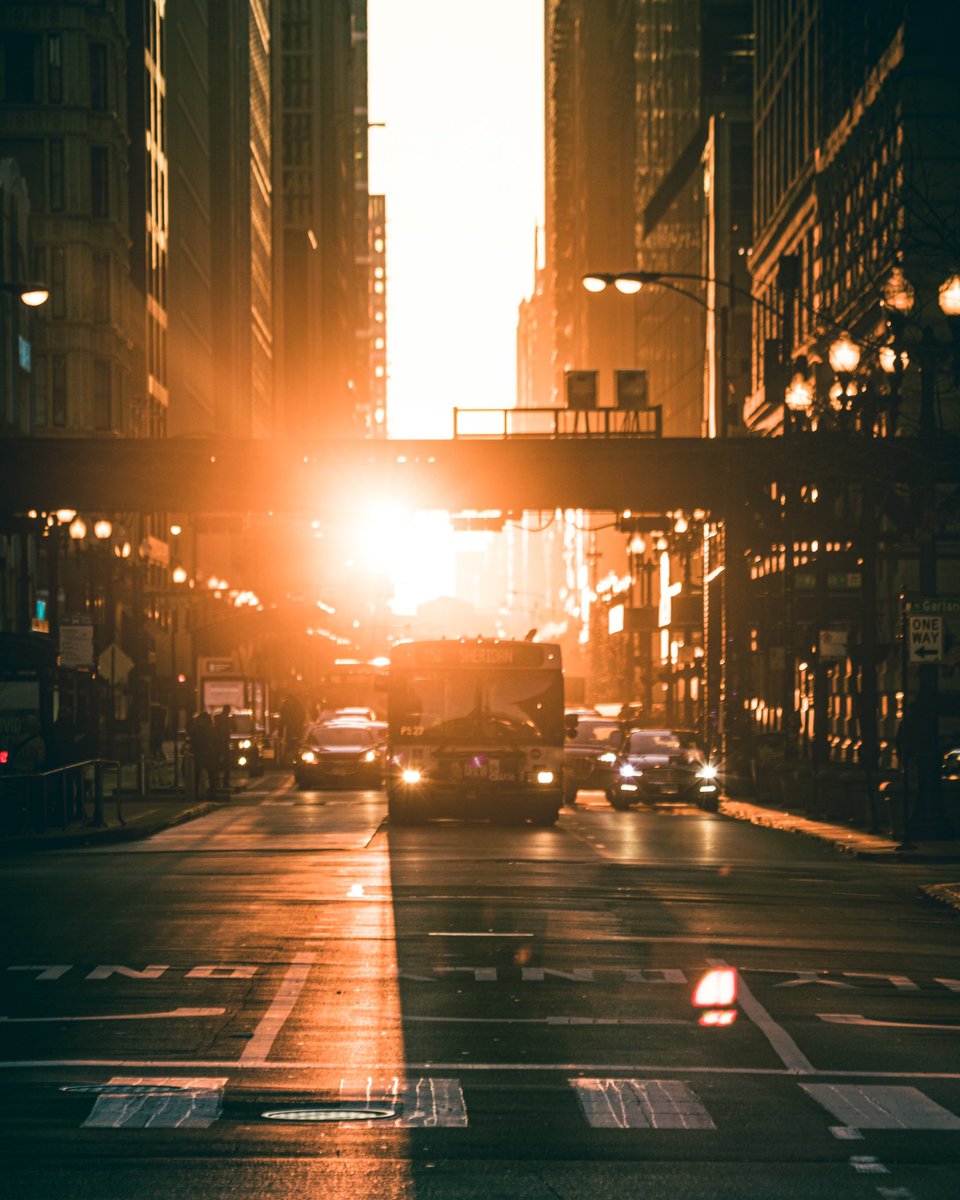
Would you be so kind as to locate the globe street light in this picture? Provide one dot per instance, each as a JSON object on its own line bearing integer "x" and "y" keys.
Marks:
{"x": 30, "y": 294}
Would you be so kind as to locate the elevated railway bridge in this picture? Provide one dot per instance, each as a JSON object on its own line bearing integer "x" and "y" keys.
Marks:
{"x": 759, "y": 492}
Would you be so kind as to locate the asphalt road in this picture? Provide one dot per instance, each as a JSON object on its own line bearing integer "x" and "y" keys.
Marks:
{"x": 475, "y": 1011}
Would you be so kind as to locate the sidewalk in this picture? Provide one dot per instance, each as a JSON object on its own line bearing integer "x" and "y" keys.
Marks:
{"x": 872, "y": 846}
{"x": 138, "y": 818}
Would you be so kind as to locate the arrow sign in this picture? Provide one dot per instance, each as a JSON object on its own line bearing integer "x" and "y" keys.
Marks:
{"x": 925, "y": 637}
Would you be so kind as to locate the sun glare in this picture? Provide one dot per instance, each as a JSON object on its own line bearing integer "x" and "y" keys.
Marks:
{"x": 414, "y": 550}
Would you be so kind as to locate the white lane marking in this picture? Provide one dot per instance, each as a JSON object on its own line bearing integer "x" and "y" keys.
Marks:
{"x": 177, "y": 1104}
{"x": 857, "y": 1019}
{"x": 782, "y": 1043}
{"x": 554, "y": 1021}
{"x": 280, "y": 1008}
{"x": 866, "y": 1164}
{"x": 952, "y": 985}
{"x": 48, "y": 972}
{"x": 843, "y": 1133}
{"x": 425, "y": 1103}
{"x": 640, "y": 1104}
{"x": 150, "y": 1016}
{"x": 895, "y": 1193}
{"x": 873, "y": 1106}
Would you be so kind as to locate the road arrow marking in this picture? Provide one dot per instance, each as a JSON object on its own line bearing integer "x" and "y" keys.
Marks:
{"x": 152, "y": 1016}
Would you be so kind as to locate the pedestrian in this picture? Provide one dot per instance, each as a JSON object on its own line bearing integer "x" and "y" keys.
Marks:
{"x": 221, "y": 747}
{"x": 200, "y": 736}
{"x": 26, "y": 758}
{"x": 291, "y": 728}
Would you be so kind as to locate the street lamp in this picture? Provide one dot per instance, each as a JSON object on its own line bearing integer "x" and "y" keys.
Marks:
{"x": 30, "y": 294}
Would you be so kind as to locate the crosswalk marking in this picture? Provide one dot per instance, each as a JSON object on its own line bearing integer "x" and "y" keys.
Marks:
{"x": 177, "y": 1103}
{"x": 640, "y": 1104}
{"x": 877, "y": 1106}
{"x": 421, "y": 1103}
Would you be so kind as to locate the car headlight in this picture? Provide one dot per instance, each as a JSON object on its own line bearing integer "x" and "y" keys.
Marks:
{"x": 609, "y": 757}
{"x": 707, "y": 771}
{"x": 411, "y": 775}
{"x": 242, "y": 760}
{"x": 370, "y": 756}
{"x": 245, "y": 744}
{"x": 545, "y": 777}
{"x": 628, "y": 772}
{"x": 308, "y": 756}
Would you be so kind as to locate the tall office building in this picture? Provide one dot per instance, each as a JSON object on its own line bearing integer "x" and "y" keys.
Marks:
{"x": 857, "y": 162}
{"x": 322, "y": 185}
{"x": 241, "y": 174}
{"x": 589, "y": 208}
{"x": 64, "y": 121}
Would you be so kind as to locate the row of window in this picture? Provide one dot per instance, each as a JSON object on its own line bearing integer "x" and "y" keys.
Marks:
{"x": 41, "y": 164}
{"x": 51, "y": 395}
{"x": 27, "y": 76}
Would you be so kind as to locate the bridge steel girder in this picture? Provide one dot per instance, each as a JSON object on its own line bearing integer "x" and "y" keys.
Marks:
{"x": 216, "y": 475}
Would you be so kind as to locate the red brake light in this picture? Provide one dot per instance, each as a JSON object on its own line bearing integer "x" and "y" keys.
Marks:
{"x": 717, "y": 989}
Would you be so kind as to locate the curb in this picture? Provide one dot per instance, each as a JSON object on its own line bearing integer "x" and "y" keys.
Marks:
{"x": 868, "y": 846}
{"x": 108, "y": 835}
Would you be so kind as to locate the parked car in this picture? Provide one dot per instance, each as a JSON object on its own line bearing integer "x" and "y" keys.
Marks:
{"x": 589, "y": 755}
{"x": 663, "y": 764}
{"x": 247, "y": 743}
{"x": 340, "y": 753}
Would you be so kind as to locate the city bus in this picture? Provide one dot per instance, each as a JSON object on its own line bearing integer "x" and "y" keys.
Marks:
{"x": 475, "y": 729}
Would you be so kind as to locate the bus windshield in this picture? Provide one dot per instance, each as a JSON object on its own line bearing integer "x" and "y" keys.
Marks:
{"x": 451, "y": 703}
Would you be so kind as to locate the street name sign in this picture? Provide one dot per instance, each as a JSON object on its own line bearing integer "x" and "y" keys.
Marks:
{"x": 925, "y": 637}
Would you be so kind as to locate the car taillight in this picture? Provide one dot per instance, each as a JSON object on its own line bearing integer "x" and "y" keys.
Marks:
{"x": 716, "y": 994}
{"x": 718, "y": 988}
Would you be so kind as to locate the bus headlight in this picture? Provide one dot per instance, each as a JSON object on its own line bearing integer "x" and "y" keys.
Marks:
{"x": 308, "y": 756}
{"x": 370, "y": 756}
{"x": 245, "y": 744}
{"x": 545, "y": 777}
{"x": 628, "y": 772}
{"x": 411, "y": 775}
{"x": 242, "y": 760}
{"x": 707, "y": 771}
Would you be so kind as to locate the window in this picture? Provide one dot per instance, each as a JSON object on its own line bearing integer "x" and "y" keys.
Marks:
{"x": 20, "y": 62}
{"x": 40, "y": 398}
{"x": 102, "y": 407}
{"x": 55, "y": 157}
{"x": 101, "y": 289}
{"x": 99, "y": 182}
{"x": 98, "y": 77}
{"x": 58, "y": 282}
{"x": 54, "y": 70}
{"x": 58, "y": 390}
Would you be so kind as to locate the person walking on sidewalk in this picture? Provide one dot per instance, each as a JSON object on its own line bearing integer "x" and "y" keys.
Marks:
{"x": 221, "y": 748}
{"x": 200, "y": 734}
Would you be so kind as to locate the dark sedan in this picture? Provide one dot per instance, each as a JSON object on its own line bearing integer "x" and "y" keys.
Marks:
{"x": 340, "y": 754}
{"x": 663, "y": 764}
{"x": 589, "y": 754}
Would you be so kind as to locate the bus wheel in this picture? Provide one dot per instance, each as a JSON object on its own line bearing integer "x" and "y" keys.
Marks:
{"x": 544, "y": 819}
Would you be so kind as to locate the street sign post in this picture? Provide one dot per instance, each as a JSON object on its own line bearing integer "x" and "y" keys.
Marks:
{"x": 925, "y": 637}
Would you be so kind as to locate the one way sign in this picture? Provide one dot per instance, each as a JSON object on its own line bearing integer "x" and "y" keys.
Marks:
{"x": 925, "y": 637}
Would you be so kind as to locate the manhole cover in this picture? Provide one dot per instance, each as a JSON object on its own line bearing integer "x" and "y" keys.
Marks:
{"x": 330, "y": 1113}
